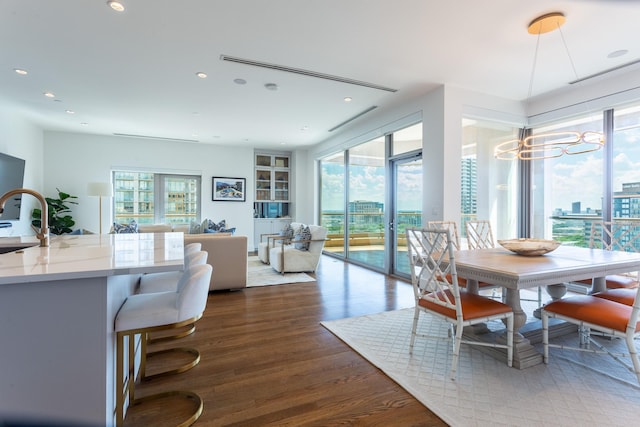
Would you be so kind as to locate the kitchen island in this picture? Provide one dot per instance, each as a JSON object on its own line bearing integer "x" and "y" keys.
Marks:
{"x": 57, "y": 310}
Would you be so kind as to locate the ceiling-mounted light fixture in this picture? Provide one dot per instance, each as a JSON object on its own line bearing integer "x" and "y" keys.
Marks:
{"x": 116, "y": 5}
{"x": 201, "y": 74}
{"x": 553, "y": 144}
{"x": 271, "y": 86}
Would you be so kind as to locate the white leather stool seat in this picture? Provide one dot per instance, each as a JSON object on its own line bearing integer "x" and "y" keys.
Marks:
{"x": 148, "y": 310}
{"x": 164, "y": 308}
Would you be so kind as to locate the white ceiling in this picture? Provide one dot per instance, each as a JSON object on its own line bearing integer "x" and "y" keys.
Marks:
{"x": 135, "y": 72}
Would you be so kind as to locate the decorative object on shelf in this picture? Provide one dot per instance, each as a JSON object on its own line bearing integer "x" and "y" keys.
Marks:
{"x": 530, "y": 247}
{"x": 100, "y": 190}
{"x": 552, "y": 144}
{"x": 59, "y": 220}
{"x": 228, "y": 189}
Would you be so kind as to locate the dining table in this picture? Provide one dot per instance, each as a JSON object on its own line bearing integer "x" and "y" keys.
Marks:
{"x": 514, "y": 272}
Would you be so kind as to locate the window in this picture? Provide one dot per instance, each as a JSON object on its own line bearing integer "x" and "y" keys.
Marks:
{"x": 332, "y": 202}
{"x": 568, "y": 190}
{"x": 489, "y": 187}
{"x": 151, "y": 198}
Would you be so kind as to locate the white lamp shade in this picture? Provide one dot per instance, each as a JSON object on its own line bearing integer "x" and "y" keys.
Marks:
{"x": 100, "y": 189}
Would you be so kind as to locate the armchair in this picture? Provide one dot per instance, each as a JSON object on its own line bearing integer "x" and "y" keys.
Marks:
{"x": 286, "y": 257}
{"x": 268, "y": 242}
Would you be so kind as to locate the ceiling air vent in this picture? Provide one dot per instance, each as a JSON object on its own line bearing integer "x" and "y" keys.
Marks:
{"x": 353, "y": 118}
{"x": 304, "y": 72}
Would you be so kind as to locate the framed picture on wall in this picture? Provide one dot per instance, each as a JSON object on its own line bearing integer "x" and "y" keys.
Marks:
{"x": 228, "y": 189}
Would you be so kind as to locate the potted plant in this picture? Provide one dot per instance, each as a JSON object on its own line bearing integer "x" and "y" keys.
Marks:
{"x": 60, "y": 222}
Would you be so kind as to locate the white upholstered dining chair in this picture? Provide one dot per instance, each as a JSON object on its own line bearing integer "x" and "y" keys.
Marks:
{"x": 436, "y": 291}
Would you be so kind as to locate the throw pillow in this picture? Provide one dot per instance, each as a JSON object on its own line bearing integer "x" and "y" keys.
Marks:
{"x": 217, "y": 227}
{"x": 305, "y": 234}
{"x": 132, "y": 227}
{"x": 194, "y": 228}
{"x": 287, "y": 231}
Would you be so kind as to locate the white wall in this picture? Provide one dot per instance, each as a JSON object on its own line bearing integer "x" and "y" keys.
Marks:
{"x": 20, "y": 138}
{"x": 72, "y": 160}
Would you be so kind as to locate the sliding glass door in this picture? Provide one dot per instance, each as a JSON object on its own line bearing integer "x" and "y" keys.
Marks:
{"x": 407, "y": 208}
{"x": 366, "y": 211}
{"x": 369, "y": 194}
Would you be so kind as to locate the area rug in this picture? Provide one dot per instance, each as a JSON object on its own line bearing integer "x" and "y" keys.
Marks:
{"x": 260, "y": 274}
{"x": 575, "y": 388}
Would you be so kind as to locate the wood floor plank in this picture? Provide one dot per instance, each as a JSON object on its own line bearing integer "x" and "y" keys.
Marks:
{"x": 267, "y": 361}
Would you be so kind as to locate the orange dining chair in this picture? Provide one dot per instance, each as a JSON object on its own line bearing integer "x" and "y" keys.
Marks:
{"x": 455, "y": 240}
{"x": 616, "y": 236}
{"x": 591, "y": 312}
{"x": 436, "y": 290}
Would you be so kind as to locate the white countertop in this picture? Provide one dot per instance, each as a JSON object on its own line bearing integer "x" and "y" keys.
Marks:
{"x": 92, "y": 255}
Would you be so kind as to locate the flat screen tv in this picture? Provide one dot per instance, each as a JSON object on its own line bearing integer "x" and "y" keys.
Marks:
{"x": 11, "y": 177}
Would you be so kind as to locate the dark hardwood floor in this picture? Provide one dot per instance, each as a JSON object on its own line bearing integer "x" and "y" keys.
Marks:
{"x": 267, "y": 361}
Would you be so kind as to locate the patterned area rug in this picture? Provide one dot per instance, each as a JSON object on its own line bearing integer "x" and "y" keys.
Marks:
{"x": 575, "y": 388}
{"x": 260, "y": 274}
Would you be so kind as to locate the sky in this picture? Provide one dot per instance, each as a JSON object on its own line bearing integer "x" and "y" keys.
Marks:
{"x": 368, "y": 183}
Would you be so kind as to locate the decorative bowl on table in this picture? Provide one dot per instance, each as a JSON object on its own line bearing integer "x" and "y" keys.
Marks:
{"x": 530, "y": 247}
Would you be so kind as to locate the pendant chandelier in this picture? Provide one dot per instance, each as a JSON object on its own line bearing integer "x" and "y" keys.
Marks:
{"x": 553, "y": 144}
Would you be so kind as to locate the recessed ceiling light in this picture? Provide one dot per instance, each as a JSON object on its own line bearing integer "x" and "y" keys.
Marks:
{"x": 70, "y": 111}
{"x": 348, "y": 99}
{"x": 271, "y": 86}
{"x": 116, "y": 5}
{"x": 84, "y": 124}
{"x": 240, "y": 81}
{"x": 201, "y": 75}
{"x": 49, "y": 94}
{"x": 618, "y": 53}
{"x": 20, "y": 71}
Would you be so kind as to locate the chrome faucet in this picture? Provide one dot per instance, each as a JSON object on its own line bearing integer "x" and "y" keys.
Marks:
{"x": 43, "y": 233}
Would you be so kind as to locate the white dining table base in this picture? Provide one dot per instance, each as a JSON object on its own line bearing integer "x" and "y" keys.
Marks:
{"x": 525, "y": 355}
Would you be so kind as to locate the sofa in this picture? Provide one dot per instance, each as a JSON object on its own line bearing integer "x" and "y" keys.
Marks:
{"x": 228, "y": 254}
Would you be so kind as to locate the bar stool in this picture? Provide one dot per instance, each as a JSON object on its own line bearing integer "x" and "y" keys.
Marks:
{"x": 145, "y": 313}
{"x": 168, "y": 280}
{"x": 170, "y": 276}
{"x": 192, "y": 247}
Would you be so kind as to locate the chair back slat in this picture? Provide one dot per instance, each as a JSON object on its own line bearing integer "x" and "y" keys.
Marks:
{"x": 615, "y": 236}
{"x": 448, "y": 225}
{"x": 433, "y": 270}
{"x": 479, "y": 235}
